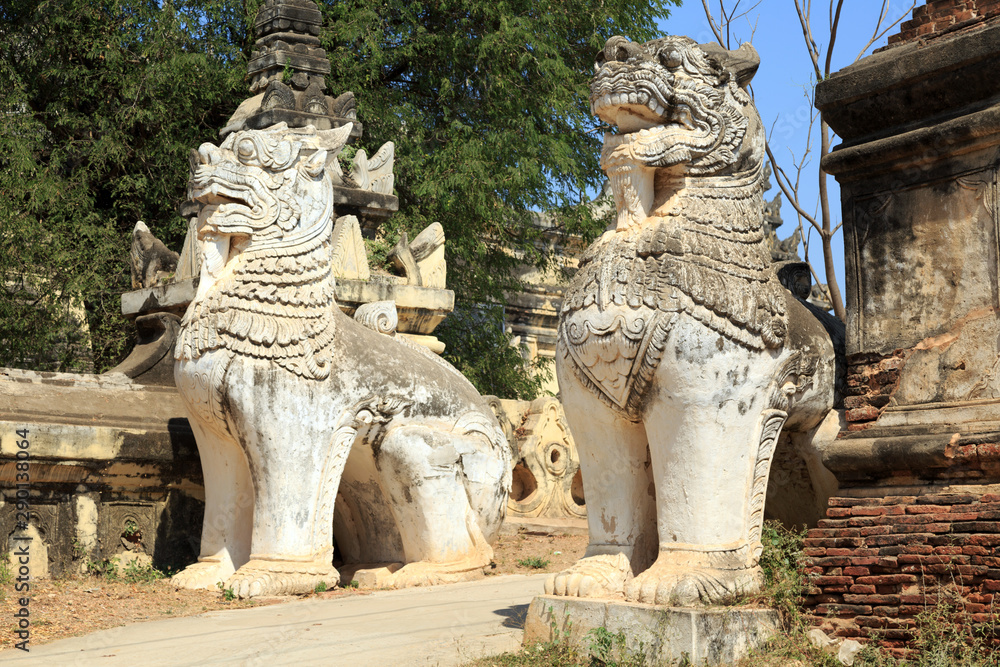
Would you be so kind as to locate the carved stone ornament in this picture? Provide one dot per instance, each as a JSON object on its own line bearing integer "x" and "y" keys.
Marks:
{"x": 680, "y": 356}
{"x": 547, "y": 481}
{"x": 151, "y": 261}
{"x": 287, "y": 395}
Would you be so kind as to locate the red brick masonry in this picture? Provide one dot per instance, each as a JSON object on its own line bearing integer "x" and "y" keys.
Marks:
{"x": 871, "y": 381}
{"x": 875, "y": 563}
{"x": 940, "y": 17}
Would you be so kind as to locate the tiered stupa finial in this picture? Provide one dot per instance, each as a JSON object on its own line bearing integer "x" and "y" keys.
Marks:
{"x": 287, "y": 72}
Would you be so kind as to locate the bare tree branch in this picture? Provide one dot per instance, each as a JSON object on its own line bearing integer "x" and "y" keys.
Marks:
{"x": 833, "y": 38}
{"x": 711, "y": 23}
{"x": 804, "y": 21}
{"x": 786, "y": 189}
{"x": 876, "y": 35}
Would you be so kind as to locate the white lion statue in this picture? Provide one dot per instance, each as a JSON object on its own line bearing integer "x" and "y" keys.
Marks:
{"x": 292, "y": 401}
{"x": 680, "y": 356}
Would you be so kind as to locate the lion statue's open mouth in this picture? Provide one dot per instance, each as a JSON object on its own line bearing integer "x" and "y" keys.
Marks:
{"x": 260, "y": 187}
{"x": 674, "y": 104}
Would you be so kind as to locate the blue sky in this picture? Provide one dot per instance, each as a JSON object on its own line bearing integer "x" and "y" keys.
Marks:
{"x": 781, "y": 85}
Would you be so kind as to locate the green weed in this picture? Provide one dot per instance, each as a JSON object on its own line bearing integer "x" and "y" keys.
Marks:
{"x": 610, "y": 650}
{"x": 6, "y": 576}
{"x": 944, "y": 636}
{"x": 227, "y": 593}
{"x": 133, "y": 572}
{"x": 534, "y": 563}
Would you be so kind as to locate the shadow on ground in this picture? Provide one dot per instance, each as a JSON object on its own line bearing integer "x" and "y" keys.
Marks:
{"x": 514, "y": 616}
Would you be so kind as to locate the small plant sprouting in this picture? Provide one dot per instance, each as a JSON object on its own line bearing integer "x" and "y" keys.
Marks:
{"x": 78, "y": 549}
{"x": 106, "y": 568}
{"x": 136, "y": 572}
{"x": 6, "y": 576}
{"x": 534, "y": 563}
{"x": 611, "y": 650}
{"x": 227, "y": 593}
{"x": 320, "y": 587}
{"x": 353, "y": 583}
{"x": 286, "y": 74}
{"x": 131, "y": 529}
{"x": 133, "y": 572}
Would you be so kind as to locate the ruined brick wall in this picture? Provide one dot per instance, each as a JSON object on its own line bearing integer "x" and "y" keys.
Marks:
{"x": 939, "y": 17}
{"x": 871, "y": 381}
{"x": 876, "y": 563}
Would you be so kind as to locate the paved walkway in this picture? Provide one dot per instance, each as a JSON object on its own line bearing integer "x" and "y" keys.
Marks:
{"x": 435, "y": 626}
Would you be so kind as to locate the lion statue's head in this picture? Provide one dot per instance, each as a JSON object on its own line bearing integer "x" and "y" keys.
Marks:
{"x": 262, "y": 188}
{"x": 679, "y": 108}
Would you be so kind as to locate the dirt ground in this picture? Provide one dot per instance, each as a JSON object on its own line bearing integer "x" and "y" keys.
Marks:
{"x": 68, "y": 607}
{"x": 560, "y": 551}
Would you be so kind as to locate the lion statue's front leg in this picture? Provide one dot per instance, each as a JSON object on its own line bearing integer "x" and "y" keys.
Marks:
{"x": 680, "y": 355}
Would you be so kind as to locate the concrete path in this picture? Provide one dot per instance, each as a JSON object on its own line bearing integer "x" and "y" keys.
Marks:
{"x": 438, "y": 625}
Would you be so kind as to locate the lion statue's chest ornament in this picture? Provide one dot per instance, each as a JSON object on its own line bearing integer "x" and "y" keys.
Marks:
{"x": 297, "y": 408}
{"x": 680, "y": 356}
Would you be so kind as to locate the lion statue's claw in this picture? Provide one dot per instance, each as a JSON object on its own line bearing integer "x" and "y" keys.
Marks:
{"x": 259, "y": 577}
{"x": 603, "y": 576}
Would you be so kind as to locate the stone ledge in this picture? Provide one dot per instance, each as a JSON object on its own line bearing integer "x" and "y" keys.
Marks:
{"x": 716, "y": 635}
{"x": 908, "y": 84}
{"x": 514, "y": 525}
{"x": 420, "y": 309}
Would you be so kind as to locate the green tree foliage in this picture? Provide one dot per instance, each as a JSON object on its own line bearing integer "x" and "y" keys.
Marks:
{"x": 101, "y": 102}
{"x": 487, "y": 103}
{"x": 479, "y": 347}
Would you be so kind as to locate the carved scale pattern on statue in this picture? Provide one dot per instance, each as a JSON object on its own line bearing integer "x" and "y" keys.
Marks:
{"x": 275, "y": 306}
{"x": 683, "y": 262}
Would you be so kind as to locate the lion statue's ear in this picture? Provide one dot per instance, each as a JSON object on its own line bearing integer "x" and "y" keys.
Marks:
{"x": 315, "y": 165}
{"x": 742, "y": 62}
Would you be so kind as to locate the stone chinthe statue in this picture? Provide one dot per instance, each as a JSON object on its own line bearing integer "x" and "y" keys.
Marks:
{"x": 681, "y": 357}
{"x": 290, "y": 399}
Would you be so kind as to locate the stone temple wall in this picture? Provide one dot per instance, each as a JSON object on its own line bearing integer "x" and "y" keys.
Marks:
{"x": 916, "y": 520}
{"x": 113, "y": 471}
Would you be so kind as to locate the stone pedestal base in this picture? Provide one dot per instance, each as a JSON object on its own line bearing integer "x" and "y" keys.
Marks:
{"x": 715, "y": 636}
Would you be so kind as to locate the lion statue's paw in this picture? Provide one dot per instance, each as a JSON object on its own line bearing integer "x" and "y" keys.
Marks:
{"x": 603, "y": 576}
{"x": 205, "y": 574}
{"x": 423, "y": 573}
{"x": 686, "y": 586}
{"x": 260, "y": 577}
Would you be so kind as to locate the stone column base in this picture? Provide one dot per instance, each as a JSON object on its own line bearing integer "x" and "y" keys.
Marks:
{"x": 717, "y": 635}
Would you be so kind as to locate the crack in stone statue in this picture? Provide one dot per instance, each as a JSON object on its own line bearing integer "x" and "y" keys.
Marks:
{"x": 680, "y": 356}
{"x": 287, "y": 396}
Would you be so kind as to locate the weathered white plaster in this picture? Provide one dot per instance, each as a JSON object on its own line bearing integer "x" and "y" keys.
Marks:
{"x": 86, "y": 528}
{"x": 37, "y": 558}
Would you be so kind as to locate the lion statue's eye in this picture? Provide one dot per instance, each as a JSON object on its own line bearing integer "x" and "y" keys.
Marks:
{"x": 246, "y": 150}
{"x": 670, "y": 59}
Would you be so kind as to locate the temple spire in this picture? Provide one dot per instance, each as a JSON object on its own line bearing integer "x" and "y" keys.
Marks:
{"x": 287, "y": 73}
